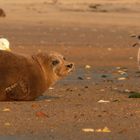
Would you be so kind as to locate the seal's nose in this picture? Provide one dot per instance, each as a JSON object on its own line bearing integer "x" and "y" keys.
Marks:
{"x": 69, "y": 65}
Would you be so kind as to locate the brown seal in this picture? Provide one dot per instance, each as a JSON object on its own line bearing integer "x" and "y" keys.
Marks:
{"x": 26, "y": 78}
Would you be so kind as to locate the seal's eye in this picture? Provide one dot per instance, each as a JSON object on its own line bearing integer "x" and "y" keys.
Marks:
{"x": 55, "y": 62}
{"x": 64, "y": 58}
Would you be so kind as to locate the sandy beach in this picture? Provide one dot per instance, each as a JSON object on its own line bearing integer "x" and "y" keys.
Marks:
{"x": 95, "y": 35}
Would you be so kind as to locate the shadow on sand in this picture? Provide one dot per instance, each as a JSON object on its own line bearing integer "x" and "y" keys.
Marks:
{"x": 45, "y": 97}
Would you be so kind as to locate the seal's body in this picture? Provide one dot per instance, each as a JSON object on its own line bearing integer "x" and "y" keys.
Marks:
{"x": 23, "y": 78}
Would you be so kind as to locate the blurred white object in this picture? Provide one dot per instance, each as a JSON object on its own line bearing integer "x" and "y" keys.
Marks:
{"x": 88, "y": 129}
{"x": 51, "y": 88}
{"x": 103, "y": 101}
{"x": 87, "y": 66}
{"x": 4, "y": 44}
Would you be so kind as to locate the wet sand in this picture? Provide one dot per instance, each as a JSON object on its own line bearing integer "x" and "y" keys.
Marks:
{"x": 100, "y": 39}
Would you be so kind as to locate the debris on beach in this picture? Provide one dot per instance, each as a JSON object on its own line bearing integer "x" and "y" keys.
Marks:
{"x": 41, "y": 114}
{"x": 88, "y": 78}
{"x": 121, "y": 78}
{"x": 94, "y": 6}
{"x": 104, "y": 76}
{"x": 34, "y": 106}
{"x": 102, "y": 90}
{"x": 51, "y": 88}
{"x": 131, "y": 93}
{"x": 106, "y": 130}
{"x": 131, "y": 58}
{"x": 91, "y": 130}
{"x": 103, "y": 101}
{"x": 6, "y": 110}
{"x": 80, "y": 78}
{"x": 2, "y": 13}
{"x": 98, "y": 130}
{"x": 87, "y": 66}
{"x": 7, "y": 124}
{"x": 134, "y": 95}
{"x": 88, "y": 129}
{"x": 118, "y": 68}
{"x": 122, "y": 90}
{"x": 121, "y": 72}
{"x": 127, "y": 90}
{"x": 122, "y": 68}
{"x": 109, "y": 49}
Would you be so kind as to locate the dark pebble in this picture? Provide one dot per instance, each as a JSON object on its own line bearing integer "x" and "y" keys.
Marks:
{"x": 104, "y": 76}
{"x": 80, "y": 78}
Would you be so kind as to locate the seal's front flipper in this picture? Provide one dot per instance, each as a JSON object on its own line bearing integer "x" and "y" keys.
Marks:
{"x": 17, "y": 91}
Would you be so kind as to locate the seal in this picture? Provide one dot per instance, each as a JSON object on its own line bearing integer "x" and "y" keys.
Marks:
{"x": 26, "y": 78}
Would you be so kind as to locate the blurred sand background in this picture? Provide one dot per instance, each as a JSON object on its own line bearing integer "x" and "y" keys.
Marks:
{"x": 93, "y": 33}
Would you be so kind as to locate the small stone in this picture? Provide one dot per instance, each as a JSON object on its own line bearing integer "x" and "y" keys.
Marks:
{"x": 103, "y": 101}
{"x": 115, "y": 100}
{"x": 80, "y": 78}
{"x": 131, "y": 58}
{"x": 35, "y": 106}
{"x": 115, "y": 88}
{"x": 6, "y": 110}
{"x": 106, "y": 130}
{"x": 100, "y": 115}
{"x": 68, "y": 89}
{"x": 7, "y": 124}
{"x": 127, "y": 90}
{"x": 104, "y": 76}
{"x": 122, "y": 72}
{"x": 88, "y": 129}
{"x": 118, "y": 68}
{"x": 121, "y": 78}
{"x": 41, "y": 114}
{"x": 102, "y": 90}
{"x": 109, "y": 49}
{"x": 88, "y": 78}
{"x": 79, "y": 94}
{"x": 87, "y": 66}
{"x": 98, "y": 130}
{"x": 51, "y": 88}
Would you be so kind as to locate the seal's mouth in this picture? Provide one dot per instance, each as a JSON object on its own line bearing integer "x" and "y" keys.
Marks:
{"x": 70, "y": 70}
{"x": 65, "y": 72}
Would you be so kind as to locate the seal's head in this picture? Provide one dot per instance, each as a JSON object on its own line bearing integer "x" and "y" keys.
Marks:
{"x": 54, "y": 66}
{"x": 60, "y": 66}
